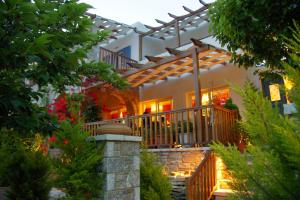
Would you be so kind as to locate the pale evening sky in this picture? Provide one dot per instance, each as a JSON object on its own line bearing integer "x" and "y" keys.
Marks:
{"x": 131, "y": 11}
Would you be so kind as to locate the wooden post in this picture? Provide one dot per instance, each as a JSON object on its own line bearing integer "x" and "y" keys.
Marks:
{"x": 140, "y": 47}
{"x": 178, "y": 33}
{"x": 198, "y": 96}
{"x": 197, "y": 81}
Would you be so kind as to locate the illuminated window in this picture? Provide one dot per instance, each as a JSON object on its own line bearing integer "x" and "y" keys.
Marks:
{"x": 156, "y": 106}
{"x": 218, "y": 97}
{"x": 274, "y": 92}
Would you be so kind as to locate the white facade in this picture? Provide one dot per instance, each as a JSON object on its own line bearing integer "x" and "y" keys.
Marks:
{"x": 178, "y": 89}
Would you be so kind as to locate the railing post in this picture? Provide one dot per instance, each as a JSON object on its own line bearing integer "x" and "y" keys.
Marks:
{"x": 212, "y": 122}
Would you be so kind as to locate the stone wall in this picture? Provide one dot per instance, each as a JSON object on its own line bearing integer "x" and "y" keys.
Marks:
{"x": 121, "y": 166}
{"x": 180, "y": 161}
{"x": 179, "y": 164}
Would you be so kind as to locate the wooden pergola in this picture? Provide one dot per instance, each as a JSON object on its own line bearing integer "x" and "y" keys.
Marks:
{"x": 116, "y": 29}
{"x": 199, "y": 56}
{"x": 179, "y": 24}
{"x": 167, "y": 30}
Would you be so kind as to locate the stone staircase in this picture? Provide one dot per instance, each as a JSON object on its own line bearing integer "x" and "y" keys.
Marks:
{"x": 181, "y": 163}
{"x": 178, "y": 188}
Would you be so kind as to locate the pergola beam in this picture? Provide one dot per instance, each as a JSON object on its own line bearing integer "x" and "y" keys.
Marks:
{"x": 161, "y": 22}
{"x": 173, "y": 22}
{"x": 154, "y": 59}
{"x": 193, "y": 12}
{"x": 173, "y": 51}
{"x": 172, "y": 15}
{"x": 135, "y": 65}
{"x": 204, "y": 3}
{"x": 187, "y": 9}
{"x": 198, "y": 43}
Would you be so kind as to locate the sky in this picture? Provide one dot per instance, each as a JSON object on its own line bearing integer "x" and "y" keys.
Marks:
{"x": 145, "y": 11}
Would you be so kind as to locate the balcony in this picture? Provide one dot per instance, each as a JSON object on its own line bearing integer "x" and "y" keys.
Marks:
{"x": 189, "y": 127}
{"x": 118, "y": 61}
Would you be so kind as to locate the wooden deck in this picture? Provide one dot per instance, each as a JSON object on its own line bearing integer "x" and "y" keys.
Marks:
{"x": 188, "y": 127}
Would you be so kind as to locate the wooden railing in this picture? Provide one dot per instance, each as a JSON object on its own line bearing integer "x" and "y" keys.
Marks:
{"x": 202, "y": 183}
{"x": 225, "y": 125}
{"x": 187, "y": 127}
{"x": 119, "y": 62}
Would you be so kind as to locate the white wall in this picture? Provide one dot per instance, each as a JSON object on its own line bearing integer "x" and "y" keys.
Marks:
{"x": 178, "y": 88}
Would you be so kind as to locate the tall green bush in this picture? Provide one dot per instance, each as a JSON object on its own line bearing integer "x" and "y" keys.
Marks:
{"x": 271, "y": 166}
{"x": 155, "y": 184}
{"x": 24, "y": 171}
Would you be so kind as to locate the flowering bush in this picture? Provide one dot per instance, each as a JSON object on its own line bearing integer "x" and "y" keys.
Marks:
{"x": 77, "y": 167}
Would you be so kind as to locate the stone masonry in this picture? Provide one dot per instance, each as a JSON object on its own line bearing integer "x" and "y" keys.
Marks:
{"x": 121, "y": 166}
{"x": 179, "y": 164}
{"x": 180, "y": 161}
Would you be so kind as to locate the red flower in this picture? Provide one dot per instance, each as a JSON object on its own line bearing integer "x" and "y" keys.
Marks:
{"x": 65, "y": 141}
{"x": 52, "y": 138}
{"x": 93, "y": 96}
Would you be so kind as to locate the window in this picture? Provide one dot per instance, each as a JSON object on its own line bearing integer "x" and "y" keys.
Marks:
{"x": 274, "y": 92}
{"x": 125, "y": 52}
{"x": 217, "y": 97}
{"x": 155, "y": 106}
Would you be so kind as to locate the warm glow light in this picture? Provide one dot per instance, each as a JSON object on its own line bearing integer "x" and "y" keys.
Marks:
{"x": 121, "y": 115}
{"x": 153, "y": 107}
{"x": 160, "y": 107}
{"x": 287, "y": 83}
{"x": 205, "y": 99}
{"x": 180, "y": 174}
{"x": 274, "y": 92}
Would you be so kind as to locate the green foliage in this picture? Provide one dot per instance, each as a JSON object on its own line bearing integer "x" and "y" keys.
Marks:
{"x": 257, "y": 27}
{"x": 270, "y": 169}
{"x": 230, "y": 105}
{"x": 25, "y": 172}
{"x": 77, "y": 168}
{"x": 42, "y": 44}
{"x": 91, "y": 111}
{"x": 154, "y": 184}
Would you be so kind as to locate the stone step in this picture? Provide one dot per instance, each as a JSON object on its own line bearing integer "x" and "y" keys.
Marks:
{"x": 178, "y": 188}
{"x": 224, "y": 183}
{"x": 221, "y": 194}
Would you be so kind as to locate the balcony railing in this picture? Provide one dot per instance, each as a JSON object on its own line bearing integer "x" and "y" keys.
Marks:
{"x": 186, "y": 127}
{"x": 119, "y": 62}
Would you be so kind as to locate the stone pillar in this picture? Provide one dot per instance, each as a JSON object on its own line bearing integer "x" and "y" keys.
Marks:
{"x": 121, "y": 166}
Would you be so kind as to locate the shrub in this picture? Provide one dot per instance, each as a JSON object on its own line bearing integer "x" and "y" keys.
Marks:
{"x": 154, "y": 184}
{"x": 230, "y": 105}
{"x": 77, "y": 168}
{"x": 25, "y": 172}
{"x": 270, "y": 167}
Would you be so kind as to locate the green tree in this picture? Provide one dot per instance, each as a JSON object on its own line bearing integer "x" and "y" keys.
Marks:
{"x": 257, "y": 27}
{"x": 24, "y": 170}
{"x": 270, "y": 169}
{"x": 154, "y": 184}
{"x": 78, "y": 169}
{"x": 91, "y": 111}
{"x": 43, "y": 43}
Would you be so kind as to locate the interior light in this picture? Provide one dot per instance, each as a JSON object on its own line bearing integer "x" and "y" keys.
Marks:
{"x": 205, "y": 99}
{"x": 153, "y": 107}
{"x": 274, "y": 92}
